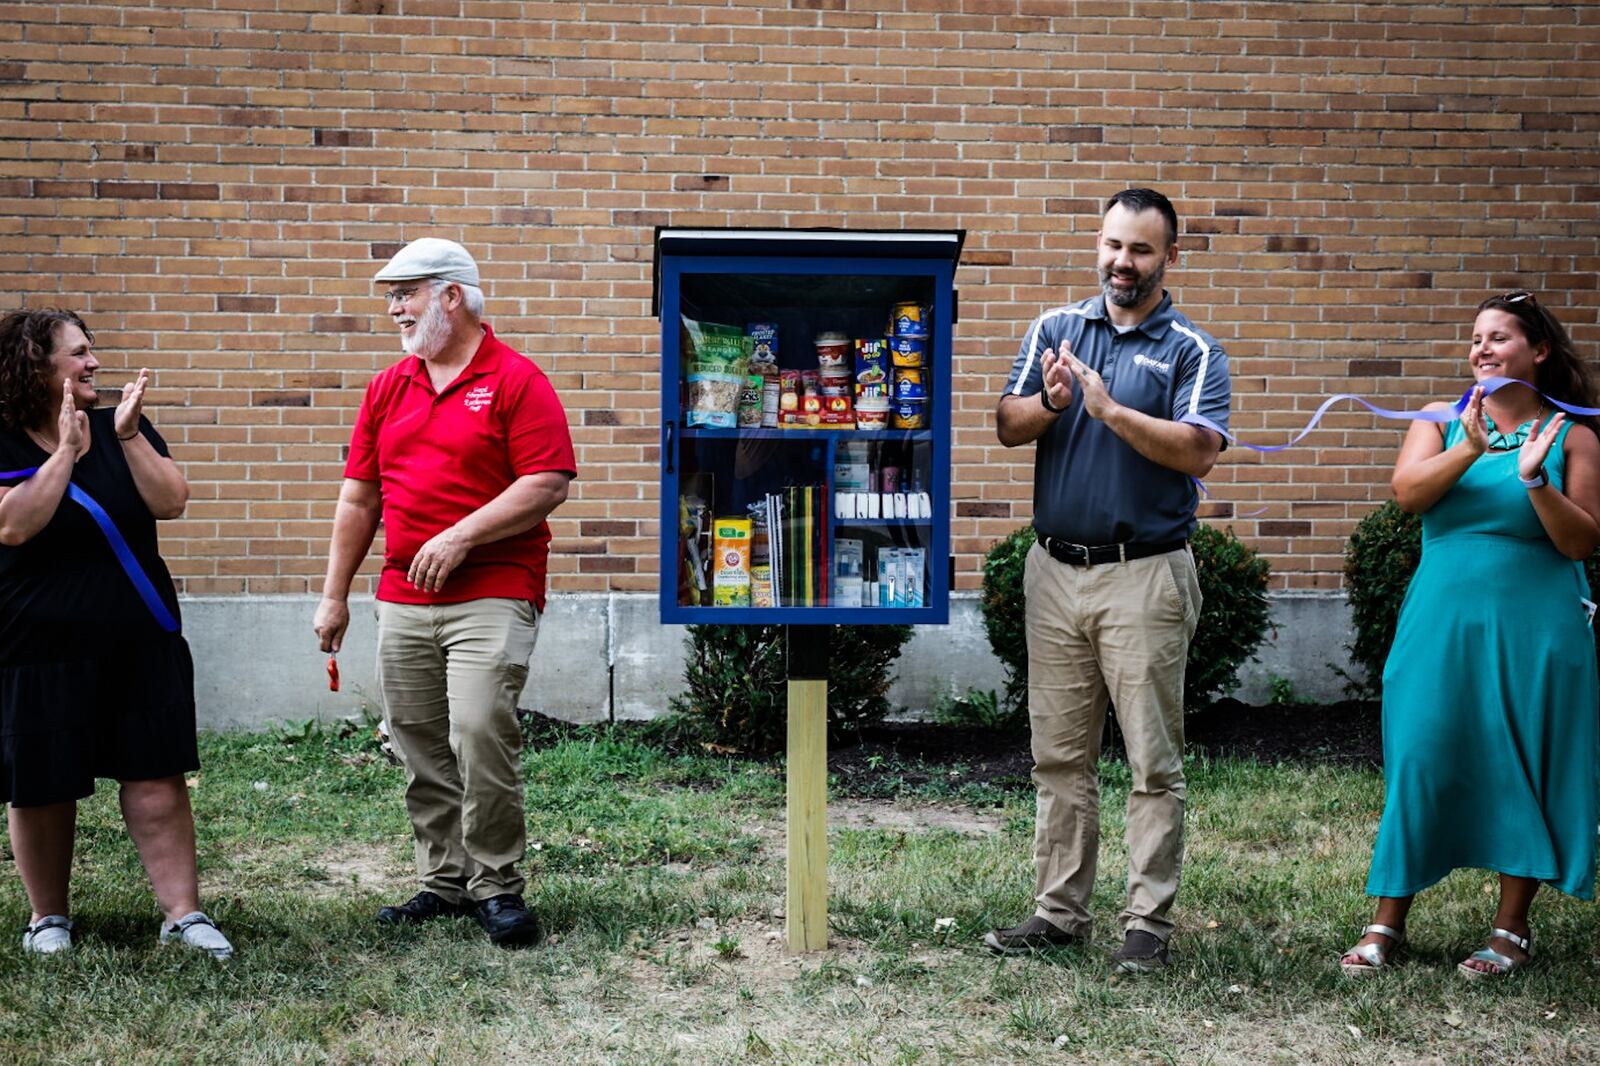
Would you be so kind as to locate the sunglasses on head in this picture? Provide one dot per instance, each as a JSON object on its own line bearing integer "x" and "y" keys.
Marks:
{"x": 1517, "y": 296}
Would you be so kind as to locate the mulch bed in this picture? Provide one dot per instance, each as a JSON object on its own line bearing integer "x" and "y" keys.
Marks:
{"x": 1345, "y": 733}
{"x": 888, "y": 755}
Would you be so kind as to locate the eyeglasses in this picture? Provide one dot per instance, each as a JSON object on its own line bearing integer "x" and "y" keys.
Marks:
{"x": 1518, "y": 295}
{"x": 401, "y": 294}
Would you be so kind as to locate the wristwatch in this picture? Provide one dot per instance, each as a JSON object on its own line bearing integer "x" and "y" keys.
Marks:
{"x": 1538, "y": 480}
{"x": 1044, "y": 398}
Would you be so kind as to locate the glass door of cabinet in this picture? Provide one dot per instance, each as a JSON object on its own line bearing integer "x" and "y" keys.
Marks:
{"x": 803, "y": 478}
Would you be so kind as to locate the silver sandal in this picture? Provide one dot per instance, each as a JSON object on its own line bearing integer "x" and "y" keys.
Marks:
{"x": 1505, "y": 964}
{"x": 1374, "y": 957}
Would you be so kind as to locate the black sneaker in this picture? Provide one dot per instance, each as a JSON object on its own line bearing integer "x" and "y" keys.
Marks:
{"x": 508, "y": 921}
{"x": 1142, "y": 952}
{"x": 425, "y": 906}
{"x": 1035, "y": 934}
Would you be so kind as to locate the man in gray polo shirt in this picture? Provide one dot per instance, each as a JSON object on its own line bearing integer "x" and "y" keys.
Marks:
{"x": 1118, "y": 392}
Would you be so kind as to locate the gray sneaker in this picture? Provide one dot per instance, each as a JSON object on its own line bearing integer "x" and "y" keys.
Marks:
{"x": 1142, "y": 952}
{"x": 1034, "y": 935}
{"x": 48, "y": 936}
{"x": 195, "y": 930}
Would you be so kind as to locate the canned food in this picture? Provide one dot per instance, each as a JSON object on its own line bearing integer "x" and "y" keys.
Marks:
{"x": 872, "y": 412}
{"x": 907, "y": 351}
{"x": 833, "y": 351}
{"x": 908, "y": 319}
{"x": 909, "y": 414}
{"x": 833, "y": 384}
{"x": 908, "y": 383}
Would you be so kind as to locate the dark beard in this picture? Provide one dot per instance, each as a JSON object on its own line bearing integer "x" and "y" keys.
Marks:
{"x": 1138, "y": 294}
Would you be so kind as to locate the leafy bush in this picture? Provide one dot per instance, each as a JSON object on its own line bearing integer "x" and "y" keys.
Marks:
{"x": 1380, "y": 558}
{"x": 737, "y": 678}
{"x": 1234, "y": 616}
{"x": 1004, "y": 615}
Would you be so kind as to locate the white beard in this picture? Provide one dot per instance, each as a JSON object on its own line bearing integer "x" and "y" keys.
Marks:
{"x": 429, "y": 335}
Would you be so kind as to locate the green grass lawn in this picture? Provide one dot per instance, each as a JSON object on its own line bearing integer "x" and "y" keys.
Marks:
{"x": 661, "y": 880}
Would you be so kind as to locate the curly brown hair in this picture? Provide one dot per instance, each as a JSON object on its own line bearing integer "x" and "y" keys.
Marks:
{"x": 27, "y": 340}
{"x": 1563, "y": 375}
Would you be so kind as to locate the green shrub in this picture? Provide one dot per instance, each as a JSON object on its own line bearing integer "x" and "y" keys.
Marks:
{"x": 737, "y": 678}
{"x": 1004, "y": 617}
{"x": 1234, "y": 616}
{"x": 1379, "y": 560}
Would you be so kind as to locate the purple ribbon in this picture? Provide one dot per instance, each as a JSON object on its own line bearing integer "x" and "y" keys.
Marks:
{"x": 1448, "y": 414}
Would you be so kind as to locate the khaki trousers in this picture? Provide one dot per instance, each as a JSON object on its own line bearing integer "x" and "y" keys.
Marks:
{"x": 450, "y": 675}
{"x": 1119, "y": 631}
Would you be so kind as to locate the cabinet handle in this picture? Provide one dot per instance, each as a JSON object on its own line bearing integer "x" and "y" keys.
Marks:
{"x": 667, "y": 449}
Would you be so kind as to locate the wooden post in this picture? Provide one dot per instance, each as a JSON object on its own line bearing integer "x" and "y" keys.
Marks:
{"x": 806, "y": 913}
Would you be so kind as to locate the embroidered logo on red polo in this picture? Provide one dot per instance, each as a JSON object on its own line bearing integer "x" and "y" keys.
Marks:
{"x": 477, "y": 399}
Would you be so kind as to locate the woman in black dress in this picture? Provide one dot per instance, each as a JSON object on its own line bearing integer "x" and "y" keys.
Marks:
{"x": 95, "y": 676}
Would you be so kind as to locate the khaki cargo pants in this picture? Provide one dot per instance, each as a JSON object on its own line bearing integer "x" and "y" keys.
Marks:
{"x": 1117, "y": 631}
{"x": 450, "y": 676}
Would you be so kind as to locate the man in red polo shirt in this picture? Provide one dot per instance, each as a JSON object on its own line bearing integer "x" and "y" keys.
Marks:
{"x": 462, "y": 450}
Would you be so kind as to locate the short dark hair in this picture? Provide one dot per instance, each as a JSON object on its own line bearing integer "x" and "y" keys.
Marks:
{"x": 1140, "y": 200}
{"x": 27, "y": 341}
{"x": 1563, "y": 375}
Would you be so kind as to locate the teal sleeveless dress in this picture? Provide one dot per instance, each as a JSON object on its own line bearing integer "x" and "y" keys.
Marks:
{"x": 1491, "y": 718}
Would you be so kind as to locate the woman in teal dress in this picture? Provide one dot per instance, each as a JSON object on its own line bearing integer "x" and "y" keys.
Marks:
{"x": 1491, "y": 734}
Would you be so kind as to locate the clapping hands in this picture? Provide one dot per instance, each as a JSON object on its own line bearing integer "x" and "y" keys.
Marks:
{"x": 131, "y": 405}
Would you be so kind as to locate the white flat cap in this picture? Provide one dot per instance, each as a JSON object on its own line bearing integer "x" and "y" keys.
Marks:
{"x": 431, "y": 257}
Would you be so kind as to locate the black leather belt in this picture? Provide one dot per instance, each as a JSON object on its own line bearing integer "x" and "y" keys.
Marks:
{"x": 1090, "y": 554}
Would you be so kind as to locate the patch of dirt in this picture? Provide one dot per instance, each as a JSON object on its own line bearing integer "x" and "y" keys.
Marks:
{"x": 1346, "y": 733}
{"x": 361, "y": 867}
{"x": 869, "y": 814}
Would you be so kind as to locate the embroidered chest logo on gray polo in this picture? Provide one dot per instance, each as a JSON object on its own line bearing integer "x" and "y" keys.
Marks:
{"x": 1144, "y": 360}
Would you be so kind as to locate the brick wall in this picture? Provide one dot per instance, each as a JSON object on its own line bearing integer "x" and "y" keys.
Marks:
{"x": 213, "y": 185}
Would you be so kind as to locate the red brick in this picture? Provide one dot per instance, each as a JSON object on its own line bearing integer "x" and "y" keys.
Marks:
{"x": 215, "y": 187}
{"x": 126, "y": 190}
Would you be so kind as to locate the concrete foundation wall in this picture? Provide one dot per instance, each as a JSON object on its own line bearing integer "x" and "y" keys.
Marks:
{"x": 604, "y": 657}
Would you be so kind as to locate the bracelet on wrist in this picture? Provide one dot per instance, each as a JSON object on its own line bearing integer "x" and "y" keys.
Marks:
{"x": 129, "y": 437}
{"x": 1044, "y": 398}
{"x": 1538, "y": 480}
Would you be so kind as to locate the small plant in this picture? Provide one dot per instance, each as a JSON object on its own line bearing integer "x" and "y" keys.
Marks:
{"x": 982, "y": 709}
{"x": 1281, "y": 693}
{"x": 737, "y": 695}
{"x": 1234, "y": 613}
{"x": 727, "y": 946}
{"x": 295, "y": 730}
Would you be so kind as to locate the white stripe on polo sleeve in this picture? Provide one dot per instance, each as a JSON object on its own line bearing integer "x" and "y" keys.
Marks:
{"x": 1200, "y": 375}
{"x": 1033, "y": 336}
